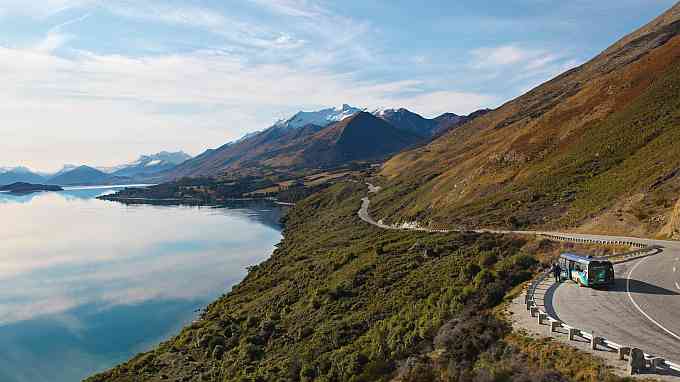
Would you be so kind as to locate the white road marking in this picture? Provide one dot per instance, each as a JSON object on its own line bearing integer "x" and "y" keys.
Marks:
{"x": 640, "y": 309}
{"x": 677, "y": 285}
{"x": 674, "y": 269}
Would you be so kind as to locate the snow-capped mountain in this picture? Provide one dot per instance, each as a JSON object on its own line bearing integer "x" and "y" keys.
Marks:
{"x": 321, "y": 118}
{"x": 152, "y": 164}
{"x": 66, "y": 168}
{"x": 19, "y": 169}
{"x": 328, "y": 137}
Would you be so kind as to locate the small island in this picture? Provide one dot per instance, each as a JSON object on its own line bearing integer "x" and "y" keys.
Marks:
{"x": 25, "y": 188}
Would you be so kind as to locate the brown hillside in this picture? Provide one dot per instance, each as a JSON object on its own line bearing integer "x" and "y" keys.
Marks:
{"x": 598, "y": 145}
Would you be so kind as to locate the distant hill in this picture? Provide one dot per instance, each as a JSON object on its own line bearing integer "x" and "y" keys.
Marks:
{"x": 406, "y": 120}
{"x": 360, "y": 137}
{"x": 19, "y": 174}
{"x": 449, "y": 121}
{"x": 597, "y": 148}
{"x": 82, "y": 175}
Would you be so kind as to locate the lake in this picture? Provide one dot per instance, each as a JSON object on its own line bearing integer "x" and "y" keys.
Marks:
{"x": 86, "y": 284}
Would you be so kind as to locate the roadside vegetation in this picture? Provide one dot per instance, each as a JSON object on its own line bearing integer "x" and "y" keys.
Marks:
{"x": 340, "y": 300}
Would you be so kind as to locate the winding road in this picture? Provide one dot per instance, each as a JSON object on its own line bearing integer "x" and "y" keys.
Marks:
{"x": 642, "y": 309}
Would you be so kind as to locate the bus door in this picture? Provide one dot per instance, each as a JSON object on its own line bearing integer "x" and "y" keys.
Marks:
{"x": 564, "y": 269}
{"x": 570, "y": 268}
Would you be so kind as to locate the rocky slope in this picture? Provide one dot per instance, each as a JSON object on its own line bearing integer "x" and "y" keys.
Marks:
{"x": 672, "y": 230}
{"x": 597, "y": 145}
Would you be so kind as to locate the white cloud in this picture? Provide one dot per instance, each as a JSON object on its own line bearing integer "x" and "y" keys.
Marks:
{"x": 51, "y": 42}
{"x": 519, "y": 67}
{"x": 112, "y": 107}
{"x": 501, "y": 56}
{"x": 107, "y": 108}
{"x": 40, "y": 9}
{"x": 296, "y": 8}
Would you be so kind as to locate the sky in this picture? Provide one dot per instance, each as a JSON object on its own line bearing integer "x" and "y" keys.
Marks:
{"x": 101, "y": 82}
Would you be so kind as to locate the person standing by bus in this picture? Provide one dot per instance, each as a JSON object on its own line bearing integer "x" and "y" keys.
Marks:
{"x": 557, "y": 270}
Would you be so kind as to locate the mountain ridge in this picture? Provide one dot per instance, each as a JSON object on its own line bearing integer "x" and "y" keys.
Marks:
{"x": 558, "y": 155}
{"x": 276, "y": 147}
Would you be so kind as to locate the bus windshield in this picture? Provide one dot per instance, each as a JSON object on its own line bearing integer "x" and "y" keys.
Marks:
{"x": 599, "y": 271}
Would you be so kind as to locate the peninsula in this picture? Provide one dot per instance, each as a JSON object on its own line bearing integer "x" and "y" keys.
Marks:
{"x": 25, "y": 188}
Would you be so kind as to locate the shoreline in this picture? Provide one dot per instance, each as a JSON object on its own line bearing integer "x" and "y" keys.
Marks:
{"x": 192, "y": 202}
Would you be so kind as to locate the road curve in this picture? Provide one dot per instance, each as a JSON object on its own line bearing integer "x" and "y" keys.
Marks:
{"x": 641, "y": 310}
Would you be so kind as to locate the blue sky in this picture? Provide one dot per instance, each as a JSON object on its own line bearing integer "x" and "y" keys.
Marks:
{"x": 102, "y": 81}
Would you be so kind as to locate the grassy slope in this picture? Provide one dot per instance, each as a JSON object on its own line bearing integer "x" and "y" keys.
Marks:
{"x": 340, "y": 300}
{"x": 559, "y": 156}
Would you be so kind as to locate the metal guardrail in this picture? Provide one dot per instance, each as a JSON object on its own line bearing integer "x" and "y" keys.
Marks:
{"x": 651, "y": 361}
{"x": 632, "y": 243}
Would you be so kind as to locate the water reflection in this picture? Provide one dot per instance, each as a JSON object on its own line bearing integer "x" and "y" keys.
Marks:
{"x": 85, "y": 283}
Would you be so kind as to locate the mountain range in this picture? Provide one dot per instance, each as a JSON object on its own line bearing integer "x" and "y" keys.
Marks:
{"x": 70, "y": 175}
{"x": 308, "y": 140}
{"x": 317, "y": 140}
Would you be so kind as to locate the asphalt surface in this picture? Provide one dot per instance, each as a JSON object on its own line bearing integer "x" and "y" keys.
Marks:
{"x": 642, "y": 309}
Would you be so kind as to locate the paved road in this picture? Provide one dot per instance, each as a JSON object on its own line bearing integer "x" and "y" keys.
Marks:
{"x": 642, "y": 309}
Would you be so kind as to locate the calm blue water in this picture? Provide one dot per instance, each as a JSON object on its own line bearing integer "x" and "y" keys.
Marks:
{"x": 85, "y": 284}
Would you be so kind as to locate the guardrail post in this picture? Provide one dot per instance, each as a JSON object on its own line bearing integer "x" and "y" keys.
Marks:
{"x": 554, "y": 325}
{"x": 542, "y": 317}
{"x": 594, "y": 342}
{"x": 533, "y": 311}
{"x": 623, "y": 352}
{"x": 637, "y": 361}
{"x": 658, "y": 362}
{"x": 573, "y": 333}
